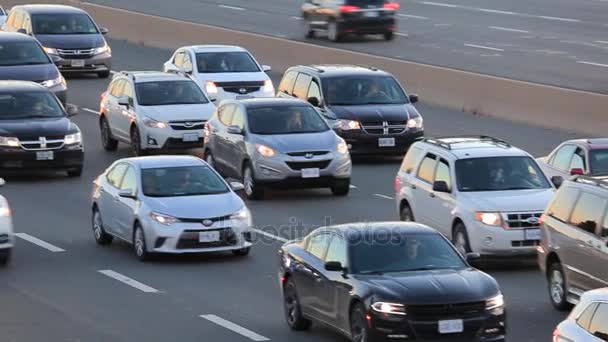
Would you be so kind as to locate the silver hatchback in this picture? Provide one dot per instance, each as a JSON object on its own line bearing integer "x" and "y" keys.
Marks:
{"x": 169, "y": 204}
{"x": 276, "y": 143}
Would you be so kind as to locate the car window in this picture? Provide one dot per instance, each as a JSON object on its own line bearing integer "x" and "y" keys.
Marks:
{"x": 18, "y": 20}
{"x": 225, "y": 114}
{"x": 129, "y": 181}
{"x": 599, "y": 322}
{"x": 317, "y": 245}
{"x": 127, "y": 90}
{"x": 363, "y": 90}
{"x": 411, "y": 159}
{"x": 22, "y": 53}
{"x": 117, "y": 89}
{"x": 563, "y": 156}
{"x": 187, "y": 65}
{"x": 182, "y": 181}
{"x": 114, "y": 177}
{"x": 427, "y": 168}
{"x": 562, "y": 203}
{"x": 286, "y": 85}
{"x": 301, "y": 87}
{"x": 314, "y": 91}
{"x": 10, "y": 21}
{"x": 238, "y": 118}
{"x": 588, "y": 212}
{"x": 298, "y": 119}
{"x": 578, "y": 160}
{"x": 23, "y": 105}
{"x": 337, "y": 251}
{"x": 63, "y": 23}
{"x": 221, "y": 62}
{"x": 363, "y": 3}
{"x": 443, "y": 173}
{"x": 166, "y": 93}
{"x": 178, "y": 61}
{"x": 585, "y": 318}
{"x": 598, "y": 160}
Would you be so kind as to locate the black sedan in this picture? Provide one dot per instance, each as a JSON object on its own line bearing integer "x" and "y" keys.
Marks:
{"x": 388, "y": 282}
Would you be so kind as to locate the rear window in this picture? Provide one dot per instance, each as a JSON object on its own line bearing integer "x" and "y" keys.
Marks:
{"x": 562, "y": 203}
{"x": 363, "y": 3}
{"x": 588, "y": 212}
{"x": 411, "y": 159}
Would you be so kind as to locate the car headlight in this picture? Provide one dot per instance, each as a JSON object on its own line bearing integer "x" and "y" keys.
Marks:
{"x": 347, "y": 125}
{"x": 268, "y": 88}
{"x": 71, "y": 139}
{"x": 210, "y": 87}
{"x": 242, "y": 215}
{"x": 342, "y": 147}
{"x": 5, "y": 212}
{"x": 163, "y": 219}
{"x": 100, "y": 50}
{"x": 265, "y": 150}
{"x": 53, "y": 82}
{"x": 495, "y": 302}
{"x": 490, "y": 219}
{"x": 50, "y": 50}
{"x": 154, "y": 124}
{"x": 415, "y": 122}
{"x": 9, "y": 142}
{"x": 389, "y": 308}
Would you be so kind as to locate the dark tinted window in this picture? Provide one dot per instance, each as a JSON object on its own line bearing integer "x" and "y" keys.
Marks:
{"x": 588, "y": 212}
{"x": 286, "y": 85}
{"x": 443, "y": 173}
{"x": 394, "y": 252}
{"x": 129, "y": 181}
{"x": 182, "y": 181}
{"x": 317, "y": 245}
{"x": 337, "y": 251}
{"x": 427, "y": 167}
{"x": 22, "y": 53}
{"x": 285, "y": 120}
{"x": 578, "y": 160}
{"x": 363, "y": 90}
{"x": 114, "y": 177}
{"x": 563, "y": 156}
{"x": 58, "y": 23}
{"x": 599, "y": 162}
{"x": 499, "y": 174}
{"x": 301, "y": 88}
{"x": 29, "y": 105}
{"x": 218, "y": 62}
{"x": 562, "y": 203}
{"x": 411, "y": 159}
{"x": 599, "y": 322}
{"x": 585, "y": 318}
{"x": 169, "y": 93}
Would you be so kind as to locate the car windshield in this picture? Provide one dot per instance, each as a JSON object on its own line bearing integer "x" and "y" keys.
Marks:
{"x": 397, "y": 252}
{"x": 24, "y": 105}
{"x": 169, "y": 93}
{"x": 181, "y": 181}
{"x": 63, "y": 23}
{"x": 22, "y": 53}
{"x": 285, "y": 120}
{"x": 499, "y": 174}
{"x": 599, "y": 162}
{"x": 218, "y": 62}
{"x": 363, "y": 90}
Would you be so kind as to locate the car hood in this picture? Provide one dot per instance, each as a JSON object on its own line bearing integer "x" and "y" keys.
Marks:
{"x": 376, "y": 112}
{"x": 433, "y": 287}
{"x": 323, "y": 141}
{"x": 234, "y": 77}
{"x": 196, "y": 207}
{"x": 71, "y": 41}
{"x": 508, "y": 201}
{"x": 34, "y": 128}
{"x": 194, "y": 112}
{"x": 36, "y": 73}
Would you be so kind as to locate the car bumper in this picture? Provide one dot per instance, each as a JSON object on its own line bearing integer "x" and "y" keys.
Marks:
{"x": 368, "y": 25}
{"x": 167, "y": 139}
{"x": 69, "y": 157}
{"x": 498, "y": 242}
{"x": 7, "y": 239}
{"x": 287, "y": 171}
{"x": 361, "y": 142}
{"x": 97, "y": 63}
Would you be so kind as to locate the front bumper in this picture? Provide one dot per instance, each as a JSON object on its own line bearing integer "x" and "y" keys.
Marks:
{"x": 499, "y": 242}
{"x": 66, "y": 158}
{"x": 360, "y": 25}
{"x": 96, "y": 63}
{"x": 168, "y": 139}
{"x": 361, "y": 142}
{"x": 7, "y": 239}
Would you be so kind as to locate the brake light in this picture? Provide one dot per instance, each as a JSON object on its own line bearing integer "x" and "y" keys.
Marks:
{"x": 397, "y": 184}
{"x": 391, "y": 6}
{"x": 347, "y": 8}
{"x": 555, "y": 335}
{"x": 103, "y": 95}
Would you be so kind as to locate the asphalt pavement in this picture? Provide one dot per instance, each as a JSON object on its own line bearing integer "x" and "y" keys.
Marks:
{"x": 556, "y": 42}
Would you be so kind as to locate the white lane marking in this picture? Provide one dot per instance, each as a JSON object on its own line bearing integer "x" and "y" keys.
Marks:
{"x": 413, "y": 16}
{"x": 129, "y": 281}
{"x": 235, "y": 328}
{"x": 272, "y": 236}
{"x": 90, "y": 110}
{"x": 352, "y": 186}
{"x": 440, "y": 4}
{"x": 232, "y": 7}
{"x": 496, "y": 11}
{"x": 602, "y": 41}
{"x": 383, "y": 196}
{"x": 592, "y": 63}
{"x": 41, "y": 243}
{"x": 402, "y": 34}
{"x": 488, "y": 10}
{"x": 297, "y": 18}
{"x": 559, "y": 19}
{"x": 483, "y": 47}
{"x": 508, "y": 29}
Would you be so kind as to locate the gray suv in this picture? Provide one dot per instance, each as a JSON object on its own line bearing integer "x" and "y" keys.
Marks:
{"x": 276, "y": 143}
{"x": 574, "y": 240}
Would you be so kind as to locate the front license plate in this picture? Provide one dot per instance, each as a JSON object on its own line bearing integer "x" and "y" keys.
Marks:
{"x": 451, "y": 326}
{"x": 370, "y": 14}
{"x": 310, "y": 173}
{"x": 77, "y": 63}
{"x": 208, "y": 236}
{"x": 45, "y": 155}
{"x": 532, "y": 234}
{"x": 386, "y": 142}
{"x": 190, "y": 137}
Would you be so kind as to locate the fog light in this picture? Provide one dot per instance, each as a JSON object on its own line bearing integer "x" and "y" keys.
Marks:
{"x": 152, "y": 141}
{"x": 492, "y": 331}
{"x": 488, "y": 241}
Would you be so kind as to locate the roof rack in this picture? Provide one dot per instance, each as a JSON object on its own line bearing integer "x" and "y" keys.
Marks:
{"x": 126, "y": 73}
{"x": 313, "y": 68}
{"x": 591, "y": 181}
{"x": 448, "y": 146}
{"x": 367, "y": 67}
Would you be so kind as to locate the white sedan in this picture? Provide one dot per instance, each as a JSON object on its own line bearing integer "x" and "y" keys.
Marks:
{"x": 588, "y": 322}
{"x": 6, "y": 230}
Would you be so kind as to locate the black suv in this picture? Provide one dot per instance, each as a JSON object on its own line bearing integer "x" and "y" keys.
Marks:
{"x": 35, "y": 132}
{"x": 341, "y": 17}
{"x": 574, "y": 239}
{"x": 365, "y": 106}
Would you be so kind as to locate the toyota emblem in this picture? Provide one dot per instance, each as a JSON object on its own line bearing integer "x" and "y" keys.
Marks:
{"x": 207, "y": 222}
{"x": 242, "y": 90}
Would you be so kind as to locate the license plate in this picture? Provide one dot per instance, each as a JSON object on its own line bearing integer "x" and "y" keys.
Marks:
{"x": 190, "y": 137}
{"x": 209, "y": 236}
{"x": 386, "y": 142}
{"x": 77, "y": 63}
{"x": 45, "y": 155}
{"x": 532, "y": 234}
{"x": 310, "y": 173}
{"x": 451, "y": 326}
{"x": 370, "y": 14}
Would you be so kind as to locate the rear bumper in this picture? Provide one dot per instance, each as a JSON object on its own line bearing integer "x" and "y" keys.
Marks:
{"x": 70, "y": 157}
{"x": 303, "y": 183}
{"x": 361, "y": 142}
{"x": 368, "y": 25}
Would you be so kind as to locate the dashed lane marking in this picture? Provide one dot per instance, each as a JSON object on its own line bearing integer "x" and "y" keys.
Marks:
{"x": 383, "y": 196}
{"x": 483, "y": 47}
{"x": 128, "y": 281}
{"x": 40, "y": 243}
{"x": 90, "y": 111}
{"x": 235, "y": 328}
{"x": 232, "y": 7}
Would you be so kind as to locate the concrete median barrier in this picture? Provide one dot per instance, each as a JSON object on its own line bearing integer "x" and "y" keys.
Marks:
{"x": 536, "y": 104}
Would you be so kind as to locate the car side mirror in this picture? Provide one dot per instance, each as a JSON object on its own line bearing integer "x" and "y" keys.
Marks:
{"x": 2, "y": 182}
{"x": 22, "y": 30}
{"x": 266, "y": 68}
{"x": 441, "y": 186}
{"x": 170, "y": 67}
{"x": 314, "y": 101}
{"x": 576, "y": 171}
{"x": 334, "y": 266}
{"x": 234, "y": 130}
{"x": 104, "y": 30}
{"x": 236, "y": 186}
{"x": 72, "y": 110}
{"x": 557, "y": 181}
{"x": 413, "y": 98}
{"x": 472, "y": 256}
{"x": 124, "y": 101}
{"x": 127, "y": 193}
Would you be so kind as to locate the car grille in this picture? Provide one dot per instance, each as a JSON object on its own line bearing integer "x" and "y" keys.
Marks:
{"x": 240, "y": 87}
{"x": 76, "y": 53}
{"x": 308, "y": 165}
{"x": 433, "y": 312}
{"x": 384, "y": 127}
{"x": 522, "y": 220}
{"x": 189, "y": 239}
{"x": 41, "y": 143}
{"x": 187, "y": 125}
{"x": 200, "y": 220}
{"x": 304, "y": 154}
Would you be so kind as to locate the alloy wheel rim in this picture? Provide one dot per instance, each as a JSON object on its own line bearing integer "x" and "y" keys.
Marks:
{"x": 291, "y": 305}
{"x": 406, "y": 216}
{"x": 97, "y": 226}
{"x": 139, "y": 243}
{"x": 460, "y": 243}
{"x": 557, "y": 286}
{"x": 248, "y": 180}
{"x": 358, "y": 330}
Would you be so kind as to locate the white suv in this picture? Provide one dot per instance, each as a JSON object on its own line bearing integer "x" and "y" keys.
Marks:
{"x": 152, "y": 110}
{"x": 225, "y": 72}
{"x": 484, "y": 194}
{"x": 6, "y": 230}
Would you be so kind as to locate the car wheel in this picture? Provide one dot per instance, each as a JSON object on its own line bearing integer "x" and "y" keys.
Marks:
{"x": 75, "y": 172}
{"x": 389, "y": 35}
{"x": 308, "y": 31}
{"x": 460, "y": 239}
{"x": 341, "y": 187}
{"x": 139, "y": 243}
{"x": 558, "y": 287}
{"x": 293, "y": 311}
{"x": 242, "y": 252}
{"x": 5, "y": 256}
{"x": 358, "y": 324}
{"x": 103, "y": 74}
{"x": 406, "y": 214}
{"x": 253, "y": 190}
{"x": 136, "y": 149}
{"x": 101, "y": 237}
{"x": 333, "y": 32}
{"x": 108, "y": 143}
{"x": 209, "y": 159}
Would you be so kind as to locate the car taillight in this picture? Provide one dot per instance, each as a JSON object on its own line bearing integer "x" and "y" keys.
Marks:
{"x": 347, "y": 8}
{"x": 555, "y": 335}
{"x": 397, "y": 184}
{"x": 103, "y": 96}
{"x": 391, "y": 6}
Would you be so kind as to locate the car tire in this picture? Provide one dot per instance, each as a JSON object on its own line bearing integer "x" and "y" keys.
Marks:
{"x": 293, "y": 312}
{"x": 308, "y": 31}
{"x": 333, "y": 32}
{"x": 389, "y": 35}
{"x": 101, "y": 237}
{"x": 103, "y": 74}
{"x": 108, "y": 143}
{"x": 242, "y": 252}
{"x": 358, "y": 324}
{"x": 341, "y": 187}
{"x": 5, "y": 256}
{"x": 460, "y": 238}
{"x": 77, "y": 172}
{"x": 139, "y": 243}
{"x": 253, "y": 190}
{"x": 136, "y": 149}
{"x": 406, "y": 214}
{"x": 558, "y": 287}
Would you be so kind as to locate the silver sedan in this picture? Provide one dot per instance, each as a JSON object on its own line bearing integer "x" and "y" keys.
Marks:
{"x": 169, "y": 204}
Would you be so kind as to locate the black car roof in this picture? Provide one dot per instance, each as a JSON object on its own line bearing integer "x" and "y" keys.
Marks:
{"x": 355, "y": 229}
{"x": 21, "y": 86}
{"x": 272, "y": 102}
{"x": 49, "y": 9}
{"x": 15, "y": 37}
{"x": 332, "y": 70}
